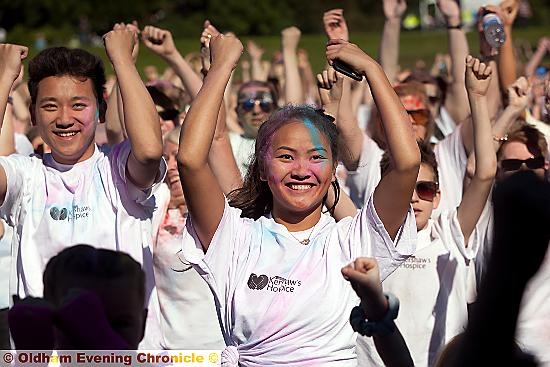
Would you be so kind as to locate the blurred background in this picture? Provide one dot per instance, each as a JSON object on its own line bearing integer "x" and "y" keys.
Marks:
{"x": 80, "y": 23}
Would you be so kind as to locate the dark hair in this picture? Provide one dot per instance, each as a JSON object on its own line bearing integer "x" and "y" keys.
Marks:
{"x": 60, "y": 61}
{"x": 531, "y": 137}
{"x": 82, "y": 262}
{"x": 254, "y": 198}
{"x": 427, "y": 157}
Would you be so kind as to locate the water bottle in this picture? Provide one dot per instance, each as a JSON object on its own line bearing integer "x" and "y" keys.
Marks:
{"x": 493, "y": 30}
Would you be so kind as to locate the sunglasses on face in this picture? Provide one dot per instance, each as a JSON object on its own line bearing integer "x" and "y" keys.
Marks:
{"x": 170, "y": 114}
{"x": 426, "y": 190}
{"x": 515, "y": 164}
{"x": 266, "y": 104}
{"x": 420, "y": 117}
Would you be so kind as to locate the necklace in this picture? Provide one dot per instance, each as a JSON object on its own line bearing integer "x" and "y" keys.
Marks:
{"x": 305, "y": 241}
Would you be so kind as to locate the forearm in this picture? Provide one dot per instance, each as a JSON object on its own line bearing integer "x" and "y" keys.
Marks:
{"x": 190, "y": 80}
{"x": 534, "y": 61}
{"x": 257, "y": 69}
{"x": 507, "y": 62}
{"x": 113, "y": 120}
{"x": 457, "y": 99}
{"x": 293, "y": 85}
{"x": 351, "y": 136}
{"x": 485, "y": 162}
{"x": 7, "y": 141}
{"x": 494, "y": 99}
{"x": 389, "y": 47}
{"x": 140, "y": 115}
{"x": 5, "y": 89}
{"x": 400, "y": 137}
{"x": 504, "y": 122}
{"x": 200, "y": 123}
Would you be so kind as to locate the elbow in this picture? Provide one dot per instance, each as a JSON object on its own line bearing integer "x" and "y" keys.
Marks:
{"x": 487, "y": 174}
{"x": 148, "y": 155}
{"x": 187, "y": 161}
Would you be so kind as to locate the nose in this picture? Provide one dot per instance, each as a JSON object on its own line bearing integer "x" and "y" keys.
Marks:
{"x": 300, "y": 170}
{"x": 64, "y": 119}
{"x": 415, "y": 197}
{"x": 257, "y": 109}
{"x": 171, "y": 162}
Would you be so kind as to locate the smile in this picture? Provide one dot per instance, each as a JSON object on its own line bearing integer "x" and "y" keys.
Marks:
{"x": 66, "y": 134}
{"x": 300, "y": 187}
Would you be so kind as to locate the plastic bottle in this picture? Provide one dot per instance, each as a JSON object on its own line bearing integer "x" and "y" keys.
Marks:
{"x": 493, "y": 30}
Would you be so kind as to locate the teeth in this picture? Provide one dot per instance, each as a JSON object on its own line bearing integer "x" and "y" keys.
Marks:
{"x": 300, "y": 187}
{"x": 65, "y": 135}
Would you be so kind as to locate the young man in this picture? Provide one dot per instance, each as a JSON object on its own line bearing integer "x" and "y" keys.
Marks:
{"x": 76, "y": 194}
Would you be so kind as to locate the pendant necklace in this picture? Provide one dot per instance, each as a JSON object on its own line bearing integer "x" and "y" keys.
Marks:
{"x": 305, "y": 241}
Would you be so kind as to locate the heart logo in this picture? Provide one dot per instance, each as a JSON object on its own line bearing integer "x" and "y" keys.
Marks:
{"x": 54, "y": 213}
{"x": 257, "y": 282}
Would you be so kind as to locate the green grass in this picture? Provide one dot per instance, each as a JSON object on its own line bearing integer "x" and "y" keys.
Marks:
{"x": 414, "y": 45}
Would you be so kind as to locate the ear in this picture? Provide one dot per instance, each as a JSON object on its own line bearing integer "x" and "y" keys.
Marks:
{"x": 32, "y": 114}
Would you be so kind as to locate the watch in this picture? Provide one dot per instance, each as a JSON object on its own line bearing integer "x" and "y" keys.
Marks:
{"x": 384, "y": 326}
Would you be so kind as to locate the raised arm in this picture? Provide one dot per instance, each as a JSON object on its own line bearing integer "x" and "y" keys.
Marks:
{"x": 290, "y": 37}
{"x": 389, "y": 43}
{"x": 363, "y": 274}
{"x": 200, "y": 186}
{"x": 11, "y": 62}
{"x": 475, "y": 196}
{"x": 255, "y": 52}
{"x": 140, "y": 115}
{"x": 335, "y": 94}
{"x": 393, "y": 193}
{"x": 542, "y": 48}
{"x": 456, "y": 101}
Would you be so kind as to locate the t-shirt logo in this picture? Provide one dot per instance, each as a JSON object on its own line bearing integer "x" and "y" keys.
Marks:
{"x": 257, "y": 282}
{"x": 57, "y": 214}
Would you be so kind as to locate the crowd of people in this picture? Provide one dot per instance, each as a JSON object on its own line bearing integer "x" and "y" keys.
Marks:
{"x": 284, "y": 217}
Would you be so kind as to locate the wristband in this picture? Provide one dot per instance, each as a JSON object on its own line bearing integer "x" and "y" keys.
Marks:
{"x": 382, "y": 327}
{"x": 458, "y": 26}
{"x": 10, "y": 100}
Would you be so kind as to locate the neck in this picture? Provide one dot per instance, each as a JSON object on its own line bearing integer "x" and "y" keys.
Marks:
{"x": 296, "y": 222}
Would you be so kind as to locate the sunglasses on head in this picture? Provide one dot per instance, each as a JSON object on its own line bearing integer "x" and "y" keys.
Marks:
{"x": 170, "y": 114}
{"x": 515, "y": 164}
{"x": 420, "y": 117}
{"x": 426, "y": 190}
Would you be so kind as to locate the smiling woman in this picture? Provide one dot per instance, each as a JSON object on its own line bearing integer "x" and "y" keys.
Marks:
{"x": 269, "y": 253}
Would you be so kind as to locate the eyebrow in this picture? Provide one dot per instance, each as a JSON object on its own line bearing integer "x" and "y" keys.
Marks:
{"x": 53, "y": 99}
{"x": 284, "y": 147}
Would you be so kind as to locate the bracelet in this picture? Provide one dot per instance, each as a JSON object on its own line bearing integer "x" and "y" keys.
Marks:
{"x": 458, "y": 26}
{"x": 10, "y": 100}
{"x": 382, "y": 327}
{"x": 500, "y": 139}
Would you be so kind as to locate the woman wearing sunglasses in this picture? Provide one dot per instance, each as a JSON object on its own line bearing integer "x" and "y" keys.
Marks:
{"x": 433, "y": 285}
{"x": 525, "y": 149}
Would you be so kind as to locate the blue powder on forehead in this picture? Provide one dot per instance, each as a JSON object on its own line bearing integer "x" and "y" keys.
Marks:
{"x": 313, "y": 133}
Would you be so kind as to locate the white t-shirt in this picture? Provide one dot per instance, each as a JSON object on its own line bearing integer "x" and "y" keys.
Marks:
{"x": 187, "y": 313}
{"x": 434, "y": 287}
{"x": 5, "y": 265}
{"x": 451, "y": 159}
{"x": 286, "y": 304}
{"x": 54, "y": 206}
{"x": 533, "y": 325}
{"x": 243, "y": 150}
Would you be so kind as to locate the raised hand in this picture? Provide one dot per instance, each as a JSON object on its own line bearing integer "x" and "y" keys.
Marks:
{"x": 208, "y": 32}
{"x": 119, "y": 43}
{"x": 335, "y": 24}
{"x": 11, "y": 64}
{"x": 509, "y": 11}
{"x": 478, "y": 76}
{"x": 225, "y": 50}
{"x": 254, "y": 50}
{"x": 364, "y": 276}
{"x": 330, "y": 86}
{"x": 158, "y": 40}
{"x": 518, "y": 93}
{"x": 290, "y": 37}
{"x": 347, "y": 52}
{"x": 394, "y": 8}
